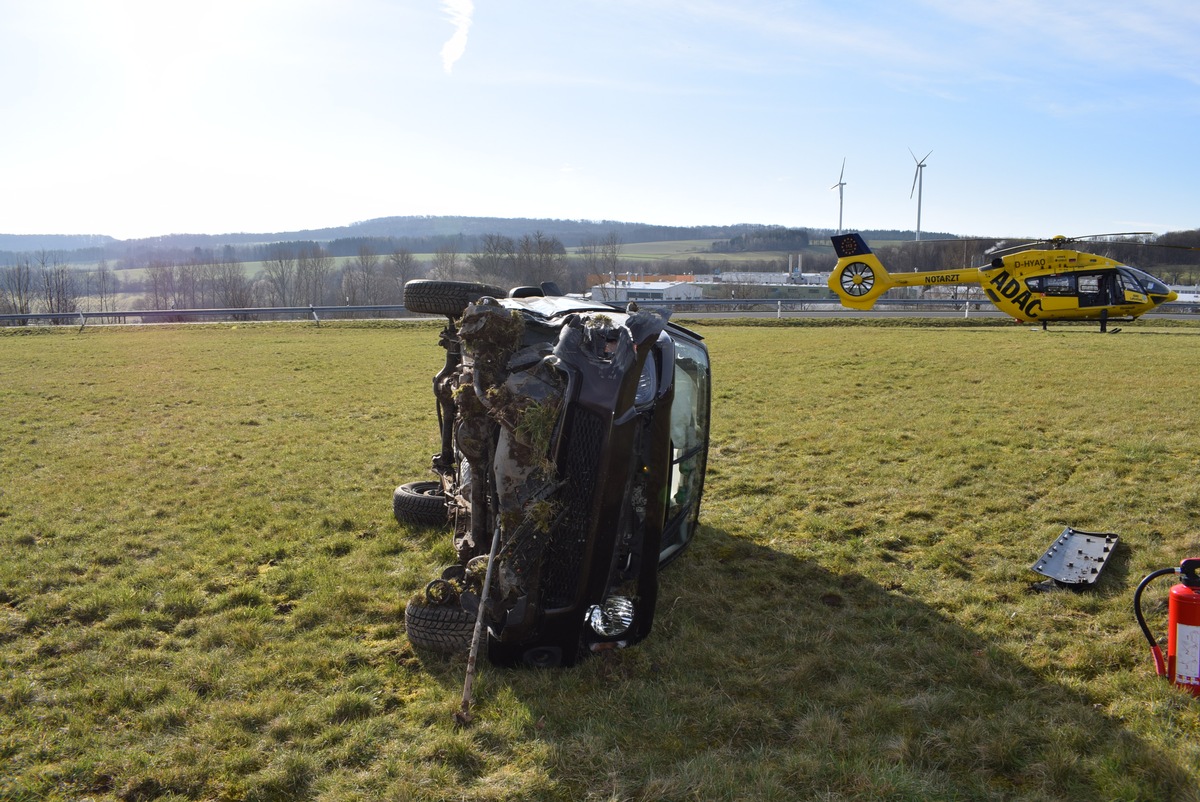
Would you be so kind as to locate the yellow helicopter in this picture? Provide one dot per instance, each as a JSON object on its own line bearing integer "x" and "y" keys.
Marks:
{"x": 1032, "y": 285}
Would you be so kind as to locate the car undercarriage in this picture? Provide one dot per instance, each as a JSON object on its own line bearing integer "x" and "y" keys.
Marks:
{"x": 573, "y": 443}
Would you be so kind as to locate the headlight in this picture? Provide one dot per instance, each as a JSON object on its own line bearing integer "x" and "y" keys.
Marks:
{"x": 647, "y": 383}
{"x": 612, "y": 618}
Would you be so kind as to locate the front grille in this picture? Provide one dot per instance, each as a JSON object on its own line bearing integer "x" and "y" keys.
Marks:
{"x": 580, "y": 469}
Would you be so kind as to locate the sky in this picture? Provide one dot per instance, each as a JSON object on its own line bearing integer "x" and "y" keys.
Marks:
{"x": 139, "y": 118}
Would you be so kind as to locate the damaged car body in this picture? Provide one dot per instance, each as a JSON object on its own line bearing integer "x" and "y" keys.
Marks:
{"x": 574, "y": 438}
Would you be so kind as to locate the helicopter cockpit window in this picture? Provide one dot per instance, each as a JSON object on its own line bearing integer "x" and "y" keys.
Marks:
{"x": 1127, "y": 283}
{"x": 1133, "y": 277}
{"x": 1034, "y": 283}
{"x": 1056, "y": 285}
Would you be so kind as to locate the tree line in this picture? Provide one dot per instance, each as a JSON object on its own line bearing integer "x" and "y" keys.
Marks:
{"x": 45, "y": 282}
{"x": 303, "y": 273}
{"x": 294, "y": 274}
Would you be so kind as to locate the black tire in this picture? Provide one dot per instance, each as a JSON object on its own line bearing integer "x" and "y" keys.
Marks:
{"x": 439, "y": 628}
{"x": 448, "y": 298}
{"x": 421, "y": 503}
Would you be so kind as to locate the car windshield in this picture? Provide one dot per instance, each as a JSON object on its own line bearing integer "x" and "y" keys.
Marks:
{"x": 689, "y": 422}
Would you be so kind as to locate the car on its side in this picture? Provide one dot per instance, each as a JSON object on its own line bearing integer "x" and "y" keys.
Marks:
{"x": 574, "y": 439}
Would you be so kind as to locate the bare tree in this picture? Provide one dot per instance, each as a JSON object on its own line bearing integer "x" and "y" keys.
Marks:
{"x": 495, "y": 260}
{"x": 17, "y": 288}
{"x": 187, "y": 286}
{"x": 399, "y": 268}
{"x": 106, "y": 286}
{"x": 598, "y": 261}
{"x": 447, "y": 263}
{"x": 233, "y": 288}
{"x": 58, "y": 288}
{"x": 541, "y": 258}
{"x": 361, "y": 279}
{"x": 160, "y": 280}
{"x": 589, "y": 254}
{"x": 610, "y": 253}
{"x": 262, "y": 292}
{"x": 280, "y": 271}
{"x": 207, "y": 278}
{"x": 313, "y": 269}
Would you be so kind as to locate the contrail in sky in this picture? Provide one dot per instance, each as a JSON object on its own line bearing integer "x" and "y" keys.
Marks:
{"x": 460, "y": 12}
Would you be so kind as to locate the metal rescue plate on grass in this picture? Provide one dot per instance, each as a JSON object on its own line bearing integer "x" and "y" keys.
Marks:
{"x": 1076, "y": 557}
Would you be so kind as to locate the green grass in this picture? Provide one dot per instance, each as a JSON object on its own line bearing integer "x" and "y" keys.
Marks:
{"x": 202, "y": 587}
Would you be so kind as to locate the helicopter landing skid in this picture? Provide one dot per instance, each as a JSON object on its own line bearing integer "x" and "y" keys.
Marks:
{"x": 1104, "y": 329}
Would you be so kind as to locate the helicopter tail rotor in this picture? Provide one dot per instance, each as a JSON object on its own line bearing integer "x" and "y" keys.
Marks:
{"x": 859, "y": 278}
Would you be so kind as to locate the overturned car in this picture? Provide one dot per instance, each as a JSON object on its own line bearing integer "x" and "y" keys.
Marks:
{"x": 574, "y": 438}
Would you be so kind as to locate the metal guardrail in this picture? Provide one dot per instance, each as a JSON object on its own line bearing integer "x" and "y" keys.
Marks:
{"x": 134, "y": 316}
{"x": 319, "y": 313}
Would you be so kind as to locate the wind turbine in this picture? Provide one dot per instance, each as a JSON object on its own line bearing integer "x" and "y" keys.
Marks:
{"x": 918, "y": 186}
{"x": 838, "y": 186}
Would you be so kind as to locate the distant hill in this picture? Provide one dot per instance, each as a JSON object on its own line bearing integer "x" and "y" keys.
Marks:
{"x": 569, "y": 232}
{"x": 422, "y": 234}
{"x": 29, "y": 243}
{"x": 417, "y": 233}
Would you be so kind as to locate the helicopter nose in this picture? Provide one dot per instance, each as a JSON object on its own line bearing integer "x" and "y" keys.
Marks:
{"x": 1172, "y": 295}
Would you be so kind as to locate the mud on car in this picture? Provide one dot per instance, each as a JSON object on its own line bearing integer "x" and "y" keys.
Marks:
{"x": 574, "y": 437}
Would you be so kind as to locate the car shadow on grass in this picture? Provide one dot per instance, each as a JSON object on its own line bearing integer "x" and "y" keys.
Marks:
{"x": 769, "y": 676}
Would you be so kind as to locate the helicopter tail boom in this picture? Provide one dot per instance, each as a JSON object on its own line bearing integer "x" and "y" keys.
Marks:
{"x": 859, "y": 278}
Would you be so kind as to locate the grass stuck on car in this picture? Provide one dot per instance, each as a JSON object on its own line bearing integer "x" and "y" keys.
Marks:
{"x": 574, "y": 437}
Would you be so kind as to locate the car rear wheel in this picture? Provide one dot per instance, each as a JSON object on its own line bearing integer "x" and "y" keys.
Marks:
{"x": 448, "y": 298}
{"x": 421, "y": 503}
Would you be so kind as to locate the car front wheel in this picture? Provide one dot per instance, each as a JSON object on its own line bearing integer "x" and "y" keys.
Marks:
{"x": 439, "y": 628}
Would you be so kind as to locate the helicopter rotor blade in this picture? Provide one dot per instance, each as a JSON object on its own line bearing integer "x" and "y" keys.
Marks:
{"x": 1142, "y": 244}
{"x": 1114, "y": 234}
{"x": 1165, "y": 245}
{"x": 1004, "y": 245}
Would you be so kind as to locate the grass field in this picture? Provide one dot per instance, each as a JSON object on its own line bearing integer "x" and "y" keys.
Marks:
{"x": 202, "y": 587}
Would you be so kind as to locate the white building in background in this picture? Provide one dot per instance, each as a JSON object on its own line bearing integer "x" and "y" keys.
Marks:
{"x": 1187, "y": 294}
{"x": 770, "y": 278}
{"x": 620, "y": 291}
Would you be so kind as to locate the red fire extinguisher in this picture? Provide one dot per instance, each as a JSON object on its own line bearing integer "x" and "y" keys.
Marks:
{"x": 1182, "y": 665}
